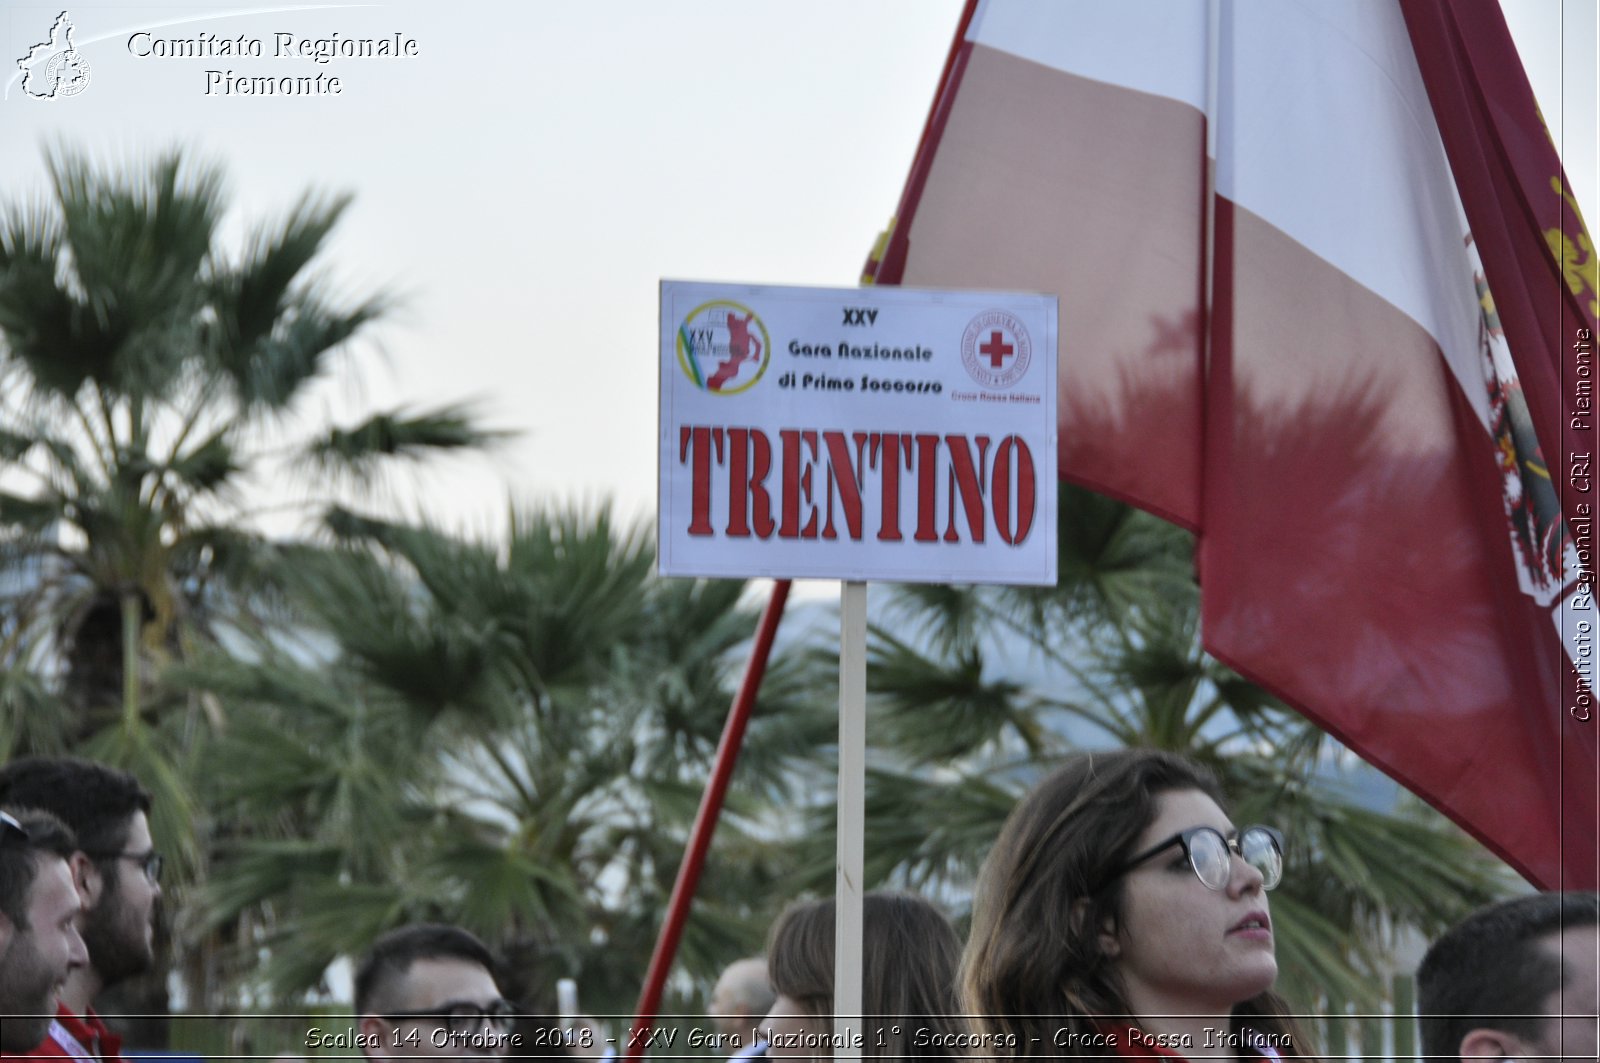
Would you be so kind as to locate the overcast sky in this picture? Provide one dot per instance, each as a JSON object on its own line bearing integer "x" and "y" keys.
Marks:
{"x": 527, "y": 178}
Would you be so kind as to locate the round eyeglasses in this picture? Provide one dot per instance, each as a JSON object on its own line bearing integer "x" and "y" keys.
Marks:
{"x": 150, "y": 863}
{"x": 1210, "y": 853}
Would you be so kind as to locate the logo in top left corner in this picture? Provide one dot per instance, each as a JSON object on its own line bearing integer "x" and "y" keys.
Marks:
{"x": 54, "y": 69}
{"x": 723, "y": 347}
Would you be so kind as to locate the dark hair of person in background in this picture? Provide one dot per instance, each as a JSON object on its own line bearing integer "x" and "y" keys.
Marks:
{"x": 96, "y": 801}
{"x": 1493, "y": 969}
{"x": 1034, "y": 974}
{"x": 19, "y": 857}
{"x": 909, "y": 954}
{"x": 393, "y": 953}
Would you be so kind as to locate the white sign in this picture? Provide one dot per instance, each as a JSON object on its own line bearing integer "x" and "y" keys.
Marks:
{"x": 875, "y": 434}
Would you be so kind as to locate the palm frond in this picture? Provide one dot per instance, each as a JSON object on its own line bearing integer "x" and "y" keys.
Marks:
{"x": 950, "y": 616}
{"x": 38, "y": 318}
{"x": 32, "y": 719}
{"x": 260, "y": 287}
{"x": 208, "y": 464}
{"x": 395, "y": 434}
{"x": 135, "y": 242}
{"x": 927, "y": 830}
{"x": 28, "y": 516}
{"x": 936, "y": 711}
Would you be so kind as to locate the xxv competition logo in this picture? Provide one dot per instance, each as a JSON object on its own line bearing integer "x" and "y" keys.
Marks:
{"x": 723, "y": 347}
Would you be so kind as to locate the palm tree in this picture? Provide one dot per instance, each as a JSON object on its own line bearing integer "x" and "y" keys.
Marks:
{"x": 152, "y": 372}
{"x": 146, "y": 375}
{"x": 1112, "y": 657}
{"x": 513, "y": 737}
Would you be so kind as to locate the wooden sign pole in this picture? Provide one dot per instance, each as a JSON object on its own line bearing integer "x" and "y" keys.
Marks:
{"x": 851, "y": 860}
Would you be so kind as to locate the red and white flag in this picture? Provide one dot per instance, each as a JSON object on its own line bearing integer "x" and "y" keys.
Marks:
{"x": 1285, "y": 339}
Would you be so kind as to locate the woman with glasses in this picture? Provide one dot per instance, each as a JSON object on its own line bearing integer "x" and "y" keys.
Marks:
{"x": 909, "y": 953}
{"x": 1121, "y": 912}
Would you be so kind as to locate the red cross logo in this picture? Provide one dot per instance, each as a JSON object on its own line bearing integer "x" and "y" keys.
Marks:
{"x": 996, "y": 349}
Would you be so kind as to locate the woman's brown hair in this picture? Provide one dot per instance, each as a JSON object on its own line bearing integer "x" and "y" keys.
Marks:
{"x": 909, "y": 955}
{"x": 1034, "y": 981}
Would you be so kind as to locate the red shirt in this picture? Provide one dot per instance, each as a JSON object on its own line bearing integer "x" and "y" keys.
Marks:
{"x": 71, "y": 1037}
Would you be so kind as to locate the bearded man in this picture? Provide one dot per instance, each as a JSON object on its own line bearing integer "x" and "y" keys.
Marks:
{"x": 117, "y": 873}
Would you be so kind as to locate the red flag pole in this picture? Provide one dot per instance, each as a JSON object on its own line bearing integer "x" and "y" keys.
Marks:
{"x": 705, "y": 822}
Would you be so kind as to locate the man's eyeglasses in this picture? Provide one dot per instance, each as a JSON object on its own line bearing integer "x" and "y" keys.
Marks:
{"x": 10, "y": 826}
{"x": 150, "y": 863}
{"x": 1210, "y": 854}
{"x": 464, "y": 1017}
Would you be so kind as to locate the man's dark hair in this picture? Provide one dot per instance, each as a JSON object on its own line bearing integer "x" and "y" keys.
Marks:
{"x": 1490, "y": 971}
{"x": 95, "y": 800}
{"x": 392, "y": 955}
{"x": 19, "y": 857}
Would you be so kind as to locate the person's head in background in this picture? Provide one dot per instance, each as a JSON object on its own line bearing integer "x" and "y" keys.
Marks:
{"x": 742, "y": 995}
{"x": 116, "y": 867}
{"x": 39, "y": 911}
{"x": 430, "y": 990}
{"x": 1516, "y": 980}
{"x": 909, "y": 953}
